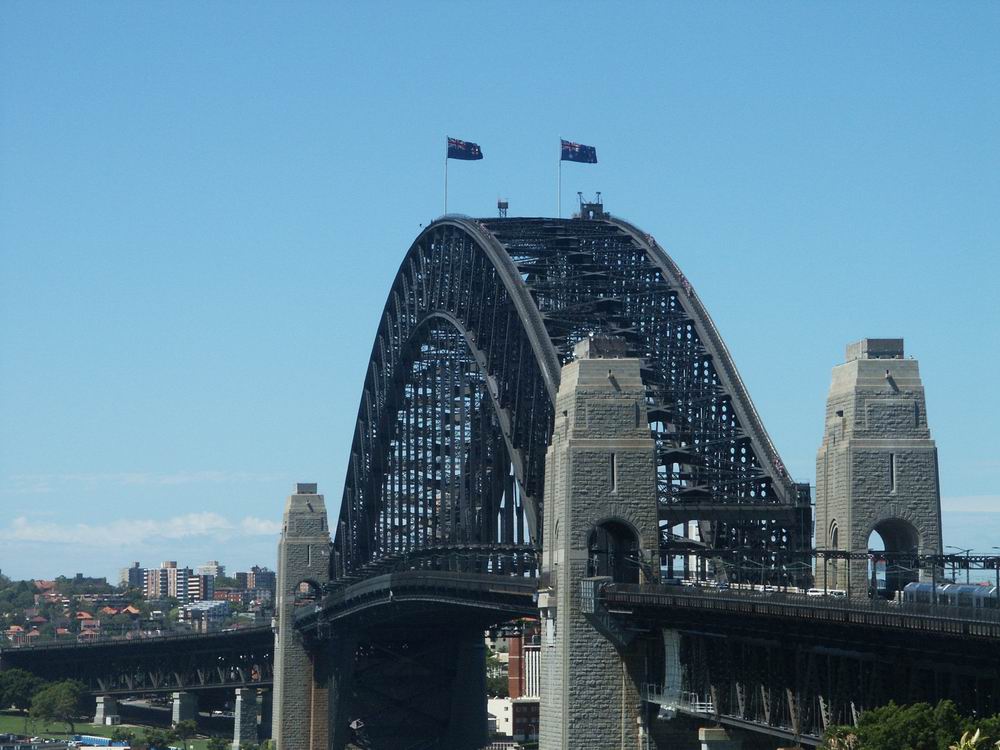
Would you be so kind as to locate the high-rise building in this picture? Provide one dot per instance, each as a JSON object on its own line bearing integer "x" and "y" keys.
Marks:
{"x": 133, "y": 577}
{"x": 200, "y": 587}
{"x": 523, "y": 679}
{"x": 167, "y": 581}
{"x": 257, "y": 579}
{"x": 264, "y": 579}
{"x": 211, "y": 568}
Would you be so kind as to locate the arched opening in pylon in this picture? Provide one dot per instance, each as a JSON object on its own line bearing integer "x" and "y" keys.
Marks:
{"x": 896, "y": 537}
{"x": 613, "y": 551}
{"x": 307, "y": 591}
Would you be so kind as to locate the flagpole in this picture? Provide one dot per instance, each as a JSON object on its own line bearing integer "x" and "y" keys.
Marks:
{"x": 559, "y": 188}
{"x": 446, "y": 181}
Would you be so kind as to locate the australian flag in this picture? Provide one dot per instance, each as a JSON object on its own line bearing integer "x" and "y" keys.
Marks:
{"x": 578, "y": 152}
{"x": 464, "y": 150}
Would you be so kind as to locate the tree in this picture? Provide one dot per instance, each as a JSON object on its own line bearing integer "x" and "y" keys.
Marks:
{"x": 496, "y": 680}
{"x": 121, "y": 734}
{"x": 59, "y": 701}
{"x": 159, "y": 739}
{"x": 185, "y": 730}
{"x": 919, "y": 726}
{"x": 17, "y": 688}
{"x": 217, "y": 743}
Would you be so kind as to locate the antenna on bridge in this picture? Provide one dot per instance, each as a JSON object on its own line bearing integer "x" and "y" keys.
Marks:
{"x": 502, "y": 208}
{"x": 591, "y": 210}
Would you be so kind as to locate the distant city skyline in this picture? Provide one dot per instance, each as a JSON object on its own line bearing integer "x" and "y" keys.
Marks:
{"x": 202, "y": 208}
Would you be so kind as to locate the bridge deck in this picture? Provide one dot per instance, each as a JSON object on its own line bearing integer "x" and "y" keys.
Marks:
{"x": 874, "y": 613}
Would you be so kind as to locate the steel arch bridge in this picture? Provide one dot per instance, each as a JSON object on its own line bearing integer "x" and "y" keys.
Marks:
{"x": 457, "y": 407}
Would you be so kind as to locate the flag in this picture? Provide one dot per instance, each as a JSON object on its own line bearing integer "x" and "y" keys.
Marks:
{"x": 578, "y": 152}
{"x": 466, "y": 150}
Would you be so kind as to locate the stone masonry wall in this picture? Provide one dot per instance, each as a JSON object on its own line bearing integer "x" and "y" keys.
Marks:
{"x": 590, "y": 695}
{"x": 877, "y": 466}
{"x": 301, "y": 714}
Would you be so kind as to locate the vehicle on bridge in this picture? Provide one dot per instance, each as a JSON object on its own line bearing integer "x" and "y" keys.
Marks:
{"x": 972, "y": 596}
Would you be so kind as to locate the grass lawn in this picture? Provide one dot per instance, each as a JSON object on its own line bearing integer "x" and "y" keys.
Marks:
{"x": 12, "y": 722}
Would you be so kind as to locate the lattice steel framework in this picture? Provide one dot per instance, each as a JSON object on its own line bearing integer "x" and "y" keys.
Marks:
{"x": 457, "y": 406}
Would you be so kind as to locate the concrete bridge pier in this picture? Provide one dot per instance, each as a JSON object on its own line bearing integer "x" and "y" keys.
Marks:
{"x": 266, "y": 710}
{"x": 245, "y": 721}
{"x": 717, "y": 738}
{"x": 601, "y": 525}
{"x": 107, "y": 705}
{"x": 184, "y": 708}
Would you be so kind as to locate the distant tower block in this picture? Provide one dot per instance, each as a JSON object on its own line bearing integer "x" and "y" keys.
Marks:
{"x": 877, "y": 468}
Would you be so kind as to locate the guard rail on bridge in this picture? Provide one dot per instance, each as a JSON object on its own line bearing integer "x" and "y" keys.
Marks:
{"x": 132, "y": 637}
{"x": 506, "y": 596}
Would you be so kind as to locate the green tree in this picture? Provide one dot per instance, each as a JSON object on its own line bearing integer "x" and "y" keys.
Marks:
{"x": 919, "y": 726}
{"x": 121, "y": 734}
{"x": 185, "y": 730}
{"x": 217, "y": 743}
{"x": 59, "y": 701}
{"x": 157, "y": 738}
{"x": 496, "y": 681}
{"x": 17, "y": 688}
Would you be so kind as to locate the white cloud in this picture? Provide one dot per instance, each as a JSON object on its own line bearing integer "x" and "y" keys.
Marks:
{"x": 138, "y": 531}
{"x": 34, "y": 484}
{"x": 971, "y": 504}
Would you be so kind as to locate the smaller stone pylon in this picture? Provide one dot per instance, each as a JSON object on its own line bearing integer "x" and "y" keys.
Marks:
{"x": 877, "y": 468}
{"x": 300, "y": 720}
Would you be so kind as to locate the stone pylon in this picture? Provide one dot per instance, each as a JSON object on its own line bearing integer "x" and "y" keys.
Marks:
{"x": 300, "y": 719}
{"x": 877, "y": 468}
{"x": 600, "y": 520}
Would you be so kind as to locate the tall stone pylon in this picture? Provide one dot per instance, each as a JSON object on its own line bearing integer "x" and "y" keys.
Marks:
{"x": 300, "y": 720}
{"x": 877, "y": 468}
{"x": 600, "y": 520}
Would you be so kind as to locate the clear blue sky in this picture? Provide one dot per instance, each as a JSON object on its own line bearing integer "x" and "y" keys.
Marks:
{"x": 202, "y": 206}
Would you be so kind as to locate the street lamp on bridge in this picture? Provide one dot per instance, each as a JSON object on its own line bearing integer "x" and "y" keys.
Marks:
{"x": 965, "y": 552}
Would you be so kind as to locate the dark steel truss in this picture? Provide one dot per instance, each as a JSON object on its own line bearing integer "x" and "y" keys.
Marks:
{"x": 156, "y": 665}
{"x": 456, "y": 410}
{"x": 805, "y": 690}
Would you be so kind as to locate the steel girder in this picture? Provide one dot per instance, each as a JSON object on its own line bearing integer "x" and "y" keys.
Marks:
{"x": 457, "y": 406}
{"x": 803, "y": 690}
{"x": 156, "y": 665}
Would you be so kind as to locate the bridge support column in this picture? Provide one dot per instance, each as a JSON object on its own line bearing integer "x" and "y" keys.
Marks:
{"x": 107, "y": 706}
{"x": 717, "y": 738}
{"x": 601, "y": 521}
{"x": 469, "y": 725}
{"x": 245, "y": 721}
{"x": 266, "y": 710}
{"x": 422, "y": 687}
{"x": 301, "y": 704}
{"x": 334, "y": 671}
{"x": 185, "y": 708}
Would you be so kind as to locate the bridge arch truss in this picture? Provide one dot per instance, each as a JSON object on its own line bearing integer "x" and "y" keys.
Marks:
{"x": 457, "y": 406}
